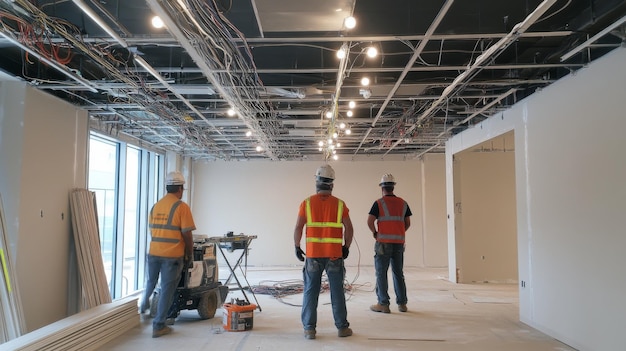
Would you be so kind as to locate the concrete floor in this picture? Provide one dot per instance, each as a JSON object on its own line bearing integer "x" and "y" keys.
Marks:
{"x": 442, "y": 316}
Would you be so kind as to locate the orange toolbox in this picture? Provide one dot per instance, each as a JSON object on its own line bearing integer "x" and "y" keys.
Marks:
{"x": 238, "y": 315}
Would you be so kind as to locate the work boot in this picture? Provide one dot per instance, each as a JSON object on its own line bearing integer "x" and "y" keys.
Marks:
{"x": 343, "y": 332}
{"x": 309, "y": 334}
{"x": 380, "y": 308}
{"x": 402, "y": 308}
{"x": 160, "y": 332}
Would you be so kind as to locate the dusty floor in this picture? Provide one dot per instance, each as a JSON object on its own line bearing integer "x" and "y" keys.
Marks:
{"x": 442, "y": 316}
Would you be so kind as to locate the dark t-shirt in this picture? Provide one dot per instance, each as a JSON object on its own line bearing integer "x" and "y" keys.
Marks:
{"x": 374, "y": 210}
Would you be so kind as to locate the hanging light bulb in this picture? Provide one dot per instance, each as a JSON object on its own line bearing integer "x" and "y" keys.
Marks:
{"x": 342, "y": 125}
{"x": 349, "y": 113}
{"x": 372, "y": 52}
{"x": 348, "y": 132}
{"x": 341, "y": 53}
{"x": 335, "y": 157}
{"x": 259, "y": 149}
{"x": 320, "y": 143}
{"x": 365, "y": 81}
{"x": 230, "y": 112}
{"x": 335, "y": 135}
{"x": 157, "y": 22}
{"x": 350, "y": 22}
{"x": 329, "y": 114}
{"x": 351, "y": 104}
{"x": 248, "y": 133}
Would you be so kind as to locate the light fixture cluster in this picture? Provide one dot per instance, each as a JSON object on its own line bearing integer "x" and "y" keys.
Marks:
{"x": 330, "y": 142}
{"x": 232, "y": 113}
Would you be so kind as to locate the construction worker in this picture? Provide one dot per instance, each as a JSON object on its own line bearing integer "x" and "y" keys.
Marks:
{"x": 389, "y": 218}
{"x": 171, "y": 249}
{"x": 328, "y": 237}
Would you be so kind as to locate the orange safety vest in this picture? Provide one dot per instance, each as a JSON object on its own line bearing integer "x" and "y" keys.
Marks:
{"x": 169, "y": 218}
{"x": 391, "y": 212}
{"x": 324, "y": 229}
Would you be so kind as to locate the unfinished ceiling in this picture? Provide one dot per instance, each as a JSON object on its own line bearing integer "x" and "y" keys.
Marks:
{"x": 442, "y": 67}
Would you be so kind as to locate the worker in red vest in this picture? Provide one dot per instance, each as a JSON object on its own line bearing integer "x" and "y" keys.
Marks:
{"x": 389, "y": 218}
{"x": 171, "y": 249}
{"x": 328, "y": 237}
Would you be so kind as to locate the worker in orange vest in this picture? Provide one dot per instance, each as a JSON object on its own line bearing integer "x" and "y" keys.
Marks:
{"x": 392, "y": 215}
{"x": 329, "y": 234}
{"x": 171, "y": 249}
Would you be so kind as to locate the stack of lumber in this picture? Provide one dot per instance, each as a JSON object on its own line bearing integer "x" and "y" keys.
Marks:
{"x": 86, "y": 330}
{"x": 11, "y": 315}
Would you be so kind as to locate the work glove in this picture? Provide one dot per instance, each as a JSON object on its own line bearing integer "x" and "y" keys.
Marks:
{"x": 300, "y": 254}
{"x": 345, "y": 252}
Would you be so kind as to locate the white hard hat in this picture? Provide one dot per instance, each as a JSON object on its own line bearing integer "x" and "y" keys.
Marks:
{"x": 325, "y": 171}
{"x": 387, "y": 180}
{"x": 175, "y": 178}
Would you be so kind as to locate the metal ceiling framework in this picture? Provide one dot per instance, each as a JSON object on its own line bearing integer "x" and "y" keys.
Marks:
{"x": 443, "y": 67}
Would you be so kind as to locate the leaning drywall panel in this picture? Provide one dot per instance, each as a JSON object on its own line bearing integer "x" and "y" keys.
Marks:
{"x": 53, "y": 162}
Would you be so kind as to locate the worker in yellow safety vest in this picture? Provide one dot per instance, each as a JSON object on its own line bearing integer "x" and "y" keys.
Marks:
{"x": 171, "y": 249}
{"x": 329, "y": 234}
{"x": 392, "y": 215}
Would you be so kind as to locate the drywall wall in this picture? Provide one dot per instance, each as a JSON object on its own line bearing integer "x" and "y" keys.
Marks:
{"x": 262, "y": 198}
{"x": 45, "y": 157}
{"x": 570, "y": 171}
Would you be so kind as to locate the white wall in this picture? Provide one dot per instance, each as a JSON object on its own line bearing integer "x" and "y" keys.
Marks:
{"x": 43, "y": 156}
{"x": 262, "y": 198}
{"x": 570, "y": 172}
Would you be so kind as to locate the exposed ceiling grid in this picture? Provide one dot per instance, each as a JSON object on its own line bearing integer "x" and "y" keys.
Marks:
{"x": 442, "y": 67}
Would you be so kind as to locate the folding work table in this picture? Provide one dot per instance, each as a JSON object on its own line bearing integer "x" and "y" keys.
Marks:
{"x": 233, "y": 243}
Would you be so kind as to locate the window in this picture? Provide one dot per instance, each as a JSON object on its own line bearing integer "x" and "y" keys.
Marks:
{"x": 126, "y": 180}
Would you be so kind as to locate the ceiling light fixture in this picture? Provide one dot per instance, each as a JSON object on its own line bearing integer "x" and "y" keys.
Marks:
{"x": 365, "y": 81}
{"x": 341, "y": 53}
{"x": 157, "y": 22}
{"x": 230, "y": 112}
{"x": 351, "y": 104}
{"x": 372, "y": 52}
{"x": 248, "y": 133}
{"x": 349, "y": 113}
{"x": 349, "y": 22}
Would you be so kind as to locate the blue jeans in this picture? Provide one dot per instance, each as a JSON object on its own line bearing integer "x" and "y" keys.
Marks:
{"x": 170, "y": 270}
{"x": 387, "y": 253}
{"x": 312, "y": 272}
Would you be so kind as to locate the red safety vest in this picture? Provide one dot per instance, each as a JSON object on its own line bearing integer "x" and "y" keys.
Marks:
{"x": 324, "y": 229}
{"x": 391, "y": 211}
